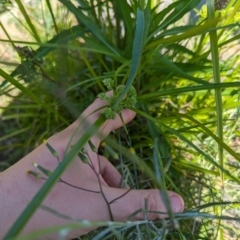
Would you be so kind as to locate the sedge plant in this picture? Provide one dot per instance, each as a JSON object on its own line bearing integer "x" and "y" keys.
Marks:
{"x": 182, "y": 78}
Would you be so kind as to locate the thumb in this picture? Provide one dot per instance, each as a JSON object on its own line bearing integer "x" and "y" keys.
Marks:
{"x": 136, "y": 200}
{"x": 109, "y": 125}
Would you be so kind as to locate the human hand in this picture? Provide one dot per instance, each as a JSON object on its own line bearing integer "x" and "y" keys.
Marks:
{"x": 85, "y": 190}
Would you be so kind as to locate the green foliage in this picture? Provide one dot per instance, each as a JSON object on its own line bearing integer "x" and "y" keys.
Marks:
{"x": 113, "y": 106}
{"x": 180, "y": 77}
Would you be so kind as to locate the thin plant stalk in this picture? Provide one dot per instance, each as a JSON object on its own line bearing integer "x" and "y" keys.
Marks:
{"x": 218, "y": 97}
{"x": 28, "y": 20}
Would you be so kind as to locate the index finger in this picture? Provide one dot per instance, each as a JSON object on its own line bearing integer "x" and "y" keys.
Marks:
{"x": 93, "y": 112}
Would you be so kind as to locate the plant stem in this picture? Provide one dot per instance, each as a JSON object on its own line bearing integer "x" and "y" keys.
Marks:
{"x": 218, "y": 97}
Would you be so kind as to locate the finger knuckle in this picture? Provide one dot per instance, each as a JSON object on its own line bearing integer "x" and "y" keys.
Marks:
{"x": 151, "y": 206}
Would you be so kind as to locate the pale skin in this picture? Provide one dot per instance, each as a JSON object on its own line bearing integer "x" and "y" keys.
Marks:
{"x": 17, "y": 188}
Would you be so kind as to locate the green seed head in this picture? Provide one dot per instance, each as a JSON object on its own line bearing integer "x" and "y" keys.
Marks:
{"x": 113, "y": 109}
{"x": 109, "y": 83}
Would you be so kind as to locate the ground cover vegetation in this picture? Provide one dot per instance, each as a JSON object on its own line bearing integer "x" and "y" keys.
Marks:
{"x": 183, "y": 63}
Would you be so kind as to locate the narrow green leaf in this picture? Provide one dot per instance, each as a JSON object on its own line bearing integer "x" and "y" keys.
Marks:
{"x": 174, "y": 31}
{"x": 183, "y": 49}
{"x": 160, "y": 16}
{"x": 168, "y": 64}
{"x": 78, "y": 224}
{"x": 210, "y": 133}
{"x": 217, "y": 79}
{"x": 52, "y": 15}
{"x": 178, "y": 134}
{"x": 57, "y": 41}
{"x": 84, "y": 4}
{"x": 196, "y": 30}
{"x": 20, "y": 87}
{"x": 28, "y": 20}
{"x": 208, "y": 158}
{"x": 99, "y": 47}
{"x": 124, "y": 10}
{"x": 155, "y": 132}
{"x": 138, "y": 45}
{"x": 17, "y": 116}
{"x": 5, "y": 31}
{"x": 132, "y": 156}
{"x": 180, "y": 9}
{"x": 195, "y": 167}
{"x": 232, "y": 39}
{"x": 101, "y": 50}
{"x": 176, "y": 91}
{"x": 14, "y": 133}
{"x": 93, "y": 27}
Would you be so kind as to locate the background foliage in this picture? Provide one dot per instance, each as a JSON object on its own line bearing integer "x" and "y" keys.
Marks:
{"x": 185, "y": 70}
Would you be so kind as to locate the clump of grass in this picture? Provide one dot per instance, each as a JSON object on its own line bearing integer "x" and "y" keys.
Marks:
{"x": 187, "y": 104}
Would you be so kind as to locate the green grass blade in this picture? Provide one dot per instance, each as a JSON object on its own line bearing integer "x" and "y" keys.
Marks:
{"x": 187, "y": 68}
{"x": 18, "y": 85}
{"x": 13, "y": 134}
{"x": 180, "y": 9}
{"x": 18, "y": 115}
{"x": 5, "y": 31}
{"x": 218, "y": 98}
{"x": 52, "y": 15}
{"x": 62, "y": 38}
{"x": 28, "y": 20}
{"x": 56, "y": 42}
{"x": 48, "y": 185}
{"x": 76, "y": 225}
{"x": 196, "y": 30}
{"x": 213, "y": 109}
{"x": 183, "y": 49}
{"x": 168, "y": 64}
{"x": 99, "y": 47}
{"x": 232, "y": 39}
{"x": 138, "y": 45}
{"x": 159, "y": 17}
{"x": 9, "y": 64}
{"x": 208, "y": 158}
{"x": 183, "y": 138}
{"x": 209, "y": 132}
{"x": 175, "y": 91}
{"x": 101, "y": 50}
{"x": 155, "y": 132}
{"x": 93, "y": 27}
{"x": 217, "y": 79}
{"x": 174, "y": 31}
{"x": 124, "y": 10}
{"x": 191, "y": 166}
{"x": 204, "y": 215}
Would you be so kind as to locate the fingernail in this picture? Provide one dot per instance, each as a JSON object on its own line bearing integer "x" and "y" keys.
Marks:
{"x": 177, "y": 203}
